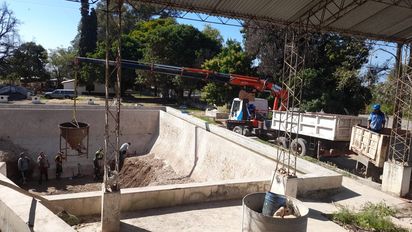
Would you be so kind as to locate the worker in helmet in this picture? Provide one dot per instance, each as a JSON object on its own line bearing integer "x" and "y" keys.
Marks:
{"x": 98, "y": 156}
{"x": 376, "y": 120}
{"x": 58, "y": 159}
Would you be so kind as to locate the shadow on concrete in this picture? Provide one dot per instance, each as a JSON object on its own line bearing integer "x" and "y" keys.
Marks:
{"x": 64, "y": 185}
{"x": 317, "y": 215}
{"x": 344, "y": 194}
{"x": 32, "y": 214}
{"x": 344, "y": 162}
{"x": 329, "y": 196}
{"x": 183, "y": 208}
{"x": 131, "y": 228}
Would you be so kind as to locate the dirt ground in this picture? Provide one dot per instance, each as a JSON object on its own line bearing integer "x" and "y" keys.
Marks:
{"x": 136, "y": 172}
{"x": 148, "y": 171}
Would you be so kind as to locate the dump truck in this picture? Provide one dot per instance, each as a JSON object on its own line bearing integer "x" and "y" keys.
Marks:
{"x": 317, "y": 131}
{"x": 372, "y": 150}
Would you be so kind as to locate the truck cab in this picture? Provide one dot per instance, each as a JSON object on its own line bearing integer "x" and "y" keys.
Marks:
{"x": 239, "y": 107}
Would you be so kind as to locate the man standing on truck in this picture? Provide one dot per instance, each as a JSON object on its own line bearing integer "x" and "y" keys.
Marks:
{"x": 376, "y": 120}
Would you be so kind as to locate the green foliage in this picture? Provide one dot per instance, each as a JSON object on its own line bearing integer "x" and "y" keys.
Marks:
{"x": 373, "y": 217}
{"x": 165, "y": 41}
{"x": 213, "y": 93}
{"x": 384, "y": 94}
{"x": 213, "y": 34}
{"x": 132, "y": 13}
{"x": 131, "y": 50}
{"x": 60, "y": 63}
{"x": 333, "y": 83}
{"x": 331, "y": 80}
{"x": 29, "y": 63}
{"x": 87, "y": 29}
{"x": 232, "y": 59}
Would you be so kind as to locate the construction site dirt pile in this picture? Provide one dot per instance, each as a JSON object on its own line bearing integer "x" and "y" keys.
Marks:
{"x": 148, "y": 171}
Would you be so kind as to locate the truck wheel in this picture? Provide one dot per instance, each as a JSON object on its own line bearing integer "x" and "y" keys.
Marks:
{"x": 237, "y": 129}
{"x": 246, "y": 131}
{"x": 299, "y": 146}
{"x": 282, "y": 141}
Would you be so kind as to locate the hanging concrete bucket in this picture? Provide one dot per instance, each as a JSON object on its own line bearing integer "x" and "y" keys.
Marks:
{"x": 254, "y": 220}
{"x": 74, "y": 135}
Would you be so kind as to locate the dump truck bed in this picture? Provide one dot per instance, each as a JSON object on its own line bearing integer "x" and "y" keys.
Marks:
{"x": 372, "y": 145}
{"x": 331, "y": 127}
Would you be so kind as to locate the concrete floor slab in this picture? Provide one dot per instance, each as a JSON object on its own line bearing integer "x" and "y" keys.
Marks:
{"x": 227, "y": 215}
{"x": 216, "y": 216}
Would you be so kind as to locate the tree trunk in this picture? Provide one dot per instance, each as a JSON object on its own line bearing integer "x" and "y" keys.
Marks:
{"x": 190, "y": 94}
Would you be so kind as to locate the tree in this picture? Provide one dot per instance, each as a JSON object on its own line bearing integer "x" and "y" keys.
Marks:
{"x": 61, "y": 63}
{"x": 132, "y": 13}
{"x": 232, "y": 59}
{"x": 167, "y": 42}
{"x": 87, "y": 29}
{"x": 213, "y": 33}
{"x": 131, "y": 50}
{"x": 8, "y": 37}
{"x": 29, "y": 62}
{"x": 331, "y": 81}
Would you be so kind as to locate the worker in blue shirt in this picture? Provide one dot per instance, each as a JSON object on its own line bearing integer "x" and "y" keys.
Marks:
{"x": 376, "y": 120}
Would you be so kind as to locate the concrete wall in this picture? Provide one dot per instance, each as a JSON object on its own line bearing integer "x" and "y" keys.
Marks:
{"x": 16, "y": 209}
{"x": 210, "y": 153}
{"x": 36, "y": 129}
{"x": 132, "y": 199}
{"x": 206, "y": 156}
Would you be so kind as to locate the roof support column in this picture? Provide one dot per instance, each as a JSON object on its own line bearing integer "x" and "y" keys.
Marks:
{"x": 293, "y": 63}
{"x": 110, "y": 214}
{"x": 397, "y": 170}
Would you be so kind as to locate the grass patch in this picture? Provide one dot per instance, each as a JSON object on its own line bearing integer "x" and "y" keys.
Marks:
{"x": 372, "y": 217}
{"x": 204, "y": 118}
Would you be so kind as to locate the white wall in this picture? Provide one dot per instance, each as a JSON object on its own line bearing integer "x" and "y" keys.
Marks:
{"x": 37, "y": 130}
{"x": 180, "y": 142}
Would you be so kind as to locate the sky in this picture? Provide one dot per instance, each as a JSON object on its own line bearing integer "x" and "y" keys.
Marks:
{"x": 53, "y": 23}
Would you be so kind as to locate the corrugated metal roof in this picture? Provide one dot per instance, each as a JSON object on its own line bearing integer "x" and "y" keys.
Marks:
{"x": 388, "y": 20}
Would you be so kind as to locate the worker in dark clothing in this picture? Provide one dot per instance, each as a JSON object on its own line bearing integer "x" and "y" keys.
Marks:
{"x": 59, "y": 164}
{"x": 98, "y": 156}
{"x": 23, "y": 165}
{"x": 44, "y": 165}
{"x": 122, "y": 154}
{"x": 376, "y": 120}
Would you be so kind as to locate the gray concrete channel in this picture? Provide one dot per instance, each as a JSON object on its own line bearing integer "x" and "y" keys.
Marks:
{"x": 224, "y": 165}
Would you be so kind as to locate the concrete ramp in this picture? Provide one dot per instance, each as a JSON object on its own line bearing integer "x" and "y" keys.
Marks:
{"x": 186, "y": 144}
{"x": 211, "y": 153}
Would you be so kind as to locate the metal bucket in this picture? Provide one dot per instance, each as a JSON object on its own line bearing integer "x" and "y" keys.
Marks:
{"x": 272, "y": 203}
{"x": 73, "y": 134}
{"x": 254, "y": 220}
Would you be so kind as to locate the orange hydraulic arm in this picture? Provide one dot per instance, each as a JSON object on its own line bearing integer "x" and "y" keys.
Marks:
{"x": 207, "y": 75}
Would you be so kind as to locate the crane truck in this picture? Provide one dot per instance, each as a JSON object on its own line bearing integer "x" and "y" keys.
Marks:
{"x": 316, "y": 130}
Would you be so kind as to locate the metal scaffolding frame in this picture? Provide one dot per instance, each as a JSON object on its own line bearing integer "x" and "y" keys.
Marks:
{"x": 401, "y": 138}
{"x": 293, "y": 63}
{"x": 112, "y": 112}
